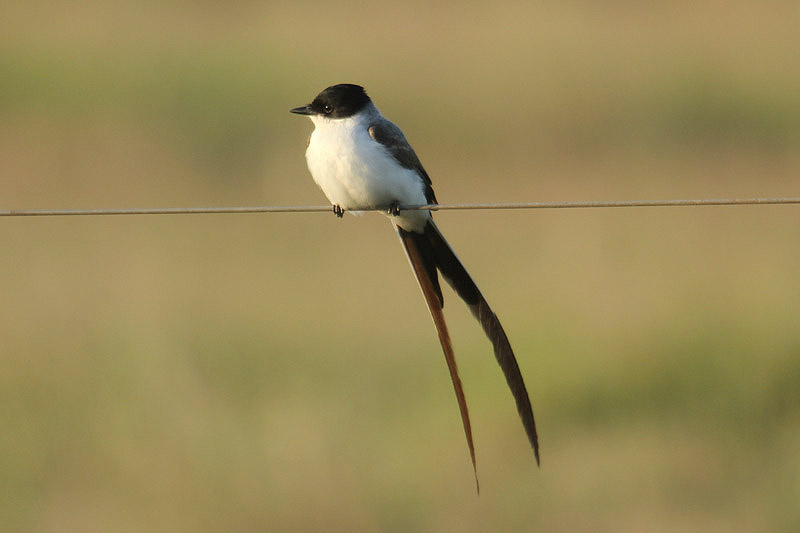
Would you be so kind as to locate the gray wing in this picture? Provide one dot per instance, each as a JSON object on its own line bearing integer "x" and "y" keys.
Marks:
{"x": 392, "y": 138}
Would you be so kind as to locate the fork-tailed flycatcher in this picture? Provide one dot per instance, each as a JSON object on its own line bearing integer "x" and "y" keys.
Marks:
{"x": 360, "y": 160}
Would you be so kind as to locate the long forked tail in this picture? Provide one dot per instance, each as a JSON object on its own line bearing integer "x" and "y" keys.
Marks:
{"x": 428, "y": 252}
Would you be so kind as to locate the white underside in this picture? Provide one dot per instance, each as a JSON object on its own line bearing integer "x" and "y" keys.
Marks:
{"x": 356, "y": 172}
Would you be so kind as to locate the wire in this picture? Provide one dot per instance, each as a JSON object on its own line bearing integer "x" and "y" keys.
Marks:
{"x": 619, "y": 203}
{"x": 437, "y": 207}
{"x": 163, "y": 211}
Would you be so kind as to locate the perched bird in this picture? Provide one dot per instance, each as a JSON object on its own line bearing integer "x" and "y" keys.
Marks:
{"x": 361, "y": 160}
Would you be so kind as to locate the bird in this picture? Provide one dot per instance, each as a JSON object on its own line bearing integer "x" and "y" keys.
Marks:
{"x": 362, "y": 161}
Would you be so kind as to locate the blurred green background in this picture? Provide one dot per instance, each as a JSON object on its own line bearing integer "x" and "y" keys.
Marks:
{"x": 280, "y": 372}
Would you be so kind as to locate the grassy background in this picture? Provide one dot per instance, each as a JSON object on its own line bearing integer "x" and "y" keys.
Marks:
{"x": 247, "y": 372}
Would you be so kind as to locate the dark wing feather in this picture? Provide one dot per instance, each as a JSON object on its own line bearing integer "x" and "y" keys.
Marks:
{"x": 392, "y": 138}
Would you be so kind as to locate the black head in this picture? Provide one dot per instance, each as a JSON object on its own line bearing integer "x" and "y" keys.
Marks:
{"x": 337, "y": 101}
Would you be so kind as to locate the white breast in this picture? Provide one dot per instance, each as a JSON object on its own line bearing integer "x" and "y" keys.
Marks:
{"x": 354, "y": 171}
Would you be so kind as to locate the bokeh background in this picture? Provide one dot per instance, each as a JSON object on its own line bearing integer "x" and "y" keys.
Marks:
{"x": 279, "y": 372}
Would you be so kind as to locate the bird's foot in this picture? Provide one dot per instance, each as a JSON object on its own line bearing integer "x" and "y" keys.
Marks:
{"x": 338, "y": 211}
{"x": 394, "y": 209}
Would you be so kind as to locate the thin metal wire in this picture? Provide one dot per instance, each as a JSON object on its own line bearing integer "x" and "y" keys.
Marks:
{"x": 438, "y": 207}
{"x": 164, "y": 211}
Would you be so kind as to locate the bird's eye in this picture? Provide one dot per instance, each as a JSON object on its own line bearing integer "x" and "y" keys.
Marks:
{"x": 328, "y": 108}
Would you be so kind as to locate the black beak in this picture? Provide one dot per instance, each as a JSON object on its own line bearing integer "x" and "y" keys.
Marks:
{"x": 305, "y": 110}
